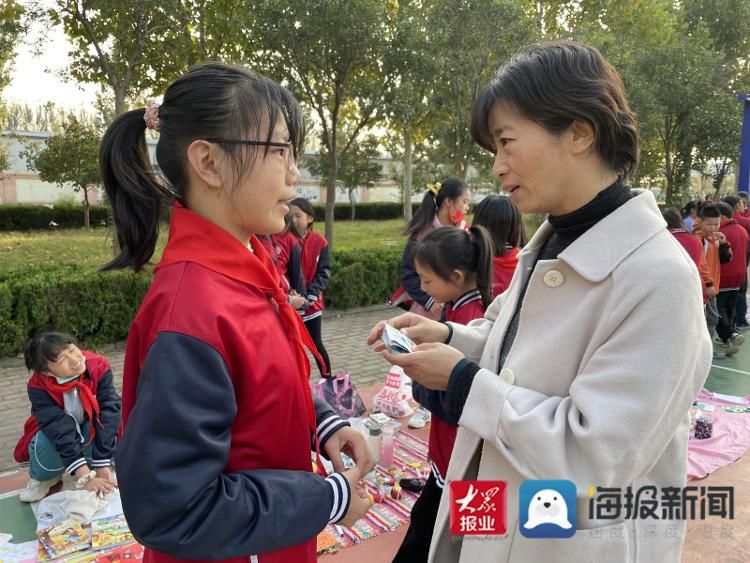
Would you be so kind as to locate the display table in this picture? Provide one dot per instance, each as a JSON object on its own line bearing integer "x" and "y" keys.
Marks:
{"x": 384, "y": 546}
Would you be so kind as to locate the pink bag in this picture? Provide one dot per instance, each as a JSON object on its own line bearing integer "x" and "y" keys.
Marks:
{"x": 339, "y": 392}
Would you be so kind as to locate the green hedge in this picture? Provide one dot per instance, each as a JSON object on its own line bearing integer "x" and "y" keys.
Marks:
{"x": 38, "y": 217}
{"x": 363, "y": 211}
{"x": 34, "y": 217}
{"x": 98, "y": 307}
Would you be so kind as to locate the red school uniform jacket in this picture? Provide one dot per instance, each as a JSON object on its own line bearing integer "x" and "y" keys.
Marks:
{"x": 442, "y": 428}
{"x": 316, "y": 271}
{"x": 215, "y": 374}
{"x": 503, "y": 268}
{"x": 48, "y": 415}
{"x": 733, "y": 272}
{"x": 694, "y": 247}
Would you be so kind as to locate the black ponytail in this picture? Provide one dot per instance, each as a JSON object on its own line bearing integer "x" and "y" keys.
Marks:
{"x": 447, "y": 249}
{"x": 137, "y": 198}
{"x": 452, "y": 188}
{"x": 214, "y": 102}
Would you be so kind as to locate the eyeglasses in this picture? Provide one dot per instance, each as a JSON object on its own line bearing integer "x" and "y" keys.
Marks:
{"x": 288, "y": 154}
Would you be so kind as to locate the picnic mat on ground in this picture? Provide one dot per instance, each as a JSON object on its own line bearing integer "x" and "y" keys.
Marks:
{"x": 730, "y": 438}
{"x": 387, "y": 515}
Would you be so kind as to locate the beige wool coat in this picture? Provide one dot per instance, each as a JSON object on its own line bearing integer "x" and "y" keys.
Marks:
{"x": 611, "y": 350}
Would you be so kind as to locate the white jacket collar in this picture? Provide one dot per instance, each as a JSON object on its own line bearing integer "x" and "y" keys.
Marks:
{"x": 596, "y": 253}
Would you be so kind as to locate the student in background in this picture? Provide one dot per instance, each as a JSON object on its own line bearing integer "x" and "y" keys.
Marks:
{"x": 285, "y": 251}
{"x": 444, "y": 203}
{"x": 316, "y": 270}
{"x": 691, "y": 243}
{"x": 739, "y": 205}
{"x": 502, "y": 219}
{"x": 717, "y": 251}
{"x": 689, "y": 215}
{"x": 733, "y": 276}
{"x": 454, "y": 267}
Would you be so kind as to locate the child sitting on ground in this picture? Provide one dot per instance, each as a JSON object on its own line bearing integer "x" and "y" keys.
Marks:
{"x": 75, "y": 417}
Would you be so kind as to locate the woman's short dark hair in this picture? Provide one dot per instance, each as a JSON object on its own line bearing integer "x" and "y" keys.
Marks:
{"x": 501, "y": 217}
{"x": 213, "y": 102}
{"x": 673, "y": 218}
{"x": 555, "y": 83}
{"x": 44, "y": 348}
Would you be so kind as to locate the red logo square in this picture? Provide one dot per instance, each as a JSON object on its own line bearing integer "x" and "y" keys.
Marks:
{"x": 478, "y": 508}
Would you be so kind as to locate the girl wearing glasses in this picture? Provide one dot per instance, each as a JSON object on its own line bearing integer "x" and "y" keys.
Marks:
{"x": 215, "y": 369}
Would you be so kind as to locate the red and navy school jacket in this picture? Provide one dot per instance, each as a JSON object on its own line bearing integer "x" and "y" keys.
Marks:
{"x": 443, "y": 427}
{"x": 215, "y": 458}
{"x": 316, "y": 270}
{"x": 734, "y": 272}
{"x": 48, "y": 415}
{"x": 289, "y": 260}
{"x": 503, "y": 268}
{"x": 694, "y": 247}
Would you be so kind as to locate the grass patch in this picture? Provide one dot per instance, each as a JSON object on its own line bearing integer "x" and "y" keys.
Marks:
{"x": 89, "y": 249}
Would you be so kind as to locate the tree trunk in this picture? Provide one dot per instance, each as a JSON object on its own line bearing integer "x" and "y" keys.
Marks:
{"x": 331, "y": 192}
{"x": 119, "y": 101}
{"x": 352, "y": 203}
{"x": 407, "y": 173}
{"x": 86, "y": 221}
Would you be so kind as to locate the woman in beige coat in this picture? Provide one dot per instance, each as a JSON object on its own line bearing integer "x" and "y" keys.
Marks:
{"x": 586, "y": 367}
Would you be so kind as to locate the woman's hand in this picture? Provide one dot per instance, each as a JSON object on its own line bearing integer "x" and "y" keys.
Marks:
{"x": 430, "y": 364}
{"x": 416, "y": 327}
{"x": 353, "y": 444}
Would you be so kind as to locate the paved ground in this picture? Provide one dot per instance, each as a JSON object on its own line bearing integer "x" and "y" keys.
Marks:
{"x": 344, "y": 335}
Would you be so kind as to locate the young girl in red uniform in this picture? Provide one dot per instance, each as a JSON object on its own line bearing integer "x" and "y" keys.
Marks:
{"x": 454, "y": 267}
{"x": 219, "y": 421}
{"x": 445, "y": 203}
{"x": 316, "y": 270}
{"x": 500, "y": 216}
{"x": 75, "y": 416}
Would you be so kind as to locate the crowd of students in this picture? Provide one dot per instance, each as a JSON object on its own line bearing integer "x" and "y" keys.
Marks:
{"x": 715, "y": 235}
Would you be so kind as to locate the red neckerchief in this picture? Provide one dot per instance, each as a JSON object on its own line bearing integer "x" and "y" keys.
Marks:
{"x": 88, "y": 399}
{"x": 195, "y": 239}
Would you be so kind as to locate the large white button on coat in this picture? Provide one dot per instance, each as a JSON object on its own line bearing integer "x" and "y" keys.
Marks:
{"x": 507, "y": 376}
{"x": 553, "y": 278}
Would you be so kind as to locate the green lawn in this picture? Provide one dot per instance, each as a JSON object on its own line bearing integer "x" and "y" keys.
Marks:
{"x": 92, "y": 248}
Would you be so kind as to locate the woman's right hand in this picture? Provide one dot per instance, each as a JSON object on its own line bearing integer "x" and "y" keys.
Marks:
{"x": 416, "y": 327}
{"x": 360, "y": 500}
{"x": 100, "y": 486}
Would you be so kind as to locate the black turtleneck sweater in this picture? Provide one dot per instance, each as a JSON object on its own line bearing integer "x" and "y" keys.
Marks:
{"x": 565, "y": 230}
